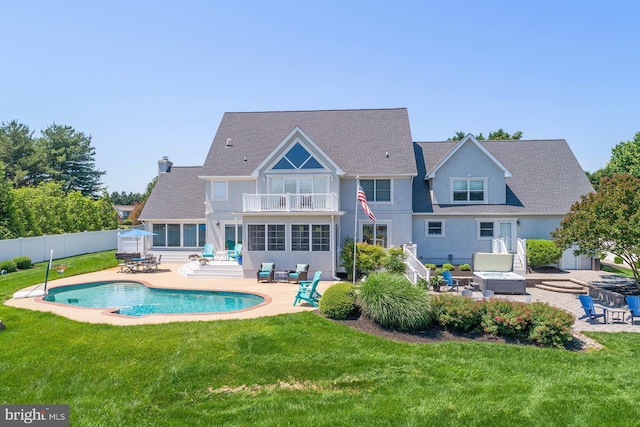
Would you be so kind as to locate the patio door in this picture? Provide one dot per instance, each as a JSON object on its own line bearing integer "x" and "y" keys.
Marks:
{"x": 232, "y": 235}
{"x": 505, "y": 232}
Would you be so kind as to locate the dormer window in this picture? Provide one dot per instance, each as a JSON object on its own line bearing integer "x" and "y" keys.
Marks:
{"x": 468, "y": 190}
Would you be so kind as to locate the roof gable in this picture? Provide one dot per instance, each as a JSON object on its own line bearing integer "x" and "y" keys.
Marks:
{"x": 297, "y": 151}
{"x": 469, "y": 139}
{"x": 360, "y": 142}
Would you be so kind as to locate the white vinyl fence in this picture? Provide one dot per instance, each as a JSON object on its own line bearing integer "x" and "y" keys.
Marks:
{"x": 63, "y": 245}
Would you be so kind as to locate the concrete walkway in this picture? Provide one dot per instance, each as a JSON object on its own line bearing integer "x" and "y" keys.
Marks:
{"x": 280, "y": 297}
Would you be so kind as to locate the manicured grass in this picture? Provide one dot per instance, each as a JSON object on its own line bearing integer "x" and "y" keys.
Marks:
{"x": 620, "y": 271}
{"x": 302, "y": 369}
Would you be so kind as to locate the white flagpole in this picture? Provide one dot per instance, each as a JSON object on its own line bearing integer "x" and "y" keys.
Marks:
{"x": 355, "y": 231}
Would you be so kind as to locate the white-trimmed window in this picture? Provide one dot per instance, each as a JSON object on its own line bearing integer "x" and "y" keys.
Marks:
{"x": 377, "y": 190}
{"x": 179, "y": 235}
{"x": 434, "y": 227}
{"x": 375, "y": 233}
{"x": 314, "y": 237}
{"x": 486, "y": 229}
{"x": 219, "y": 190}
{"x": 270, "y": 237}
{"x": 465, "y": 190}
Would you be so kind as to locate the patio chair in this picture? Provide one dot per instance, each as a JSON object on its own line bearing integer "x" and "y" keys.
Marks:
{"x": 634, "y": 306}
{"x": 590, "y": 309}
{"x": 208, "y": 251}
{"x": 299, "y": 274}
{"x": 307, "y": 290}
{"x": 266, "y": 272}
{"x": 450, "y": 281}
{"x": 233, "y": 253}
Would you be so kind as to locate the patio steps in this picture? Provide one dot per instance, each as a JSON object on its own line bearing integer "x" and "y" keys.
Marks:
{"x": 214, "y": 269}
{"x": 562, "y": 286}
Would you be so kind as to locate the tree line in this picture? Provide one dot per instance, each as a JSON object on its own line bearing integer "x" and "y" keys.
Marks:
{"x": 49, "y": 183}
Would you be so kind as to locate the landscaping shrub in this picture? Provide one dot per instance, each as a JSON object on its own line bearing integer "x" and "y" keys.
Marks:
{"x": 22, "y": 262}
{"x": 507, "y": 319}
{"x": 457, "y": 313}
{"x": 430, "y": 266}
{"x": 439, "y": 271}
{"x": 542, "y": 252}
{"x": 392, "y": 301}
{"x": 465, "y": 267}
{"x": 448, "y": 267}
{"x": 8, "y": 265}
{"x": 394, "y": 261}
{"x": 618, "y": 259}
{"x": 536, "y": 323}
{"x": 551, "y": 326}
{"x": 370, "y": 258}
{"x": 338, "y": 301}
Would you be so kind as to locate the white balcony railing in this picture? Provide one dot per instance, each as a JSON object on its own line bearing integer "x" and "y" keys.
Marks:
{"x": 289, "y": 202}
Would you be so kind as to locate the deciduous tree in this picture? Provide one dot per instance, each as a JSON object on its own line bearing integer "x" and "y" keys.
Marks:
{"x": 607, "y": 221}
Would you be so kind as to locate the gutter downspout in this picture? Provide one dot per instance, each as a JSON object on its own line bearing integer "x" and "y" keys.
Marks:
{"x": 333, "y": 249}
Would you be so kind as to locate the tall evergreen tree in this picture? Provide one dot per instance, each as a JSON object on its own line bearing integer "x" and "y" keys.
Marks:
{"x": 18, "y": 154}
{"x": 69, "y": 159}
{"x": 10, "y": 226}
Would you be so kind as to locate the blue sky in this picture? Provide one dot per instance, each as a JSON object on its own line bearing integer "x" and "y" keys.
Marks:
{"x": 148, "y": 79}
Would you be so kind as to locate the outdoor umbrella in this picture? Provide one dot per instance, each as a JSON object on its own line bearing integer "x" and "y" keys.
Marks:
{"x": 135, "y": 232}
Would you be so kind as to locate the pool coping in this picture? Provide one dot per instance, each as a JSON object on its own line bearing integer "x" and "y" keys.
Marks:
{"x": 280, "y": 295}
{"x": 112, "y": 311}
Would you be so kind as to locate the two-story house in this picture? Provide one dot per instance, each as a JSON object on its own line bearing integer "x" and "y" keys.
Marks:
{"x": 284, "y": 185}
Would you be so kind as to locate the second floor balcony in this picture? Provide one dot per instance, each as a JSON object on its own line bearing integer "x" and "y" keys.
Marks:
{"x": 323, "y": 202}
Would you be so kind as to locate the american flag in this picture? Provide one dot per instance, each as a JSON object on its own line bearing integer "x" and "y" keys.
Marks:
{"x": 365, "y": 205}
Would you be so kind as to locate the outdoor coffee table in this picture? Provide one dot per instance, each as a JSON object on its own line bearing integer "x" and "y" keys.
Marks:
{"x": 281, "y": 275}
{"x": 615, "y": 314}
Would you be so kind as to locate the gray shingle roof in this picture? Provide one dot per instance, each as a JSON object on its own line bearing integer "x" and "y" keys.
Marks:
{"x": 547, "y": 178}
{"x": 356, "y": 140}
{"x": 178, "y": 194}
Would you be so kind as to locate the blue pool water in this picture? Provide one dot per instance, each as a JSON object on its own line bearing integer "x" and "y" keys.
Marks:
{"x": 135, "y": 299}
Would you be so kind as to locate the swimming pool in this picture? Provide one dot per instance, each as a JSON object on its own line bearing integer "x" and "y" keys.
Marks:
{"x": 135, "y": 299}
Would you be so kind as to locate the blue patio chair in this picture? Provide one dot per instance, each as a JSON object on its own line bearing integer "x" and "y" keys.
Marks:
{"x": 308, "y": 292}
{"x": 208, "y": 251}
{"x": 266, "y": 272}
{"x": 634, "y": 306}
{"x": 233, "y": 253}
{"x": 590, "y": 309}
{"x": 299, "y": 274}
{"x": 450, "y": 281}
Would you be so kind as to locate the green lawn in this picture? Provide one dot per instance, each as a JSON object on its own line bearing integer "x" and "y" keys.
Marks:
{"x": 302, "y": 369}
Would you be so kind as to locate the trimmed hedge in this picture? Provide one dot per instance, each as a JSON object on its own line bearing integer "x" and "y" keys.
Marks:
{"x": 465, "y": 267}
{"x": 392, "y": 301}
{"x": 22, "y": 262}
{"x": 448, "y": 267}
{"x": 338, "y": 301}
{"x": 8, "y": 265}
{"x": 536, "y": 323}
{"x": 542, "y": 252}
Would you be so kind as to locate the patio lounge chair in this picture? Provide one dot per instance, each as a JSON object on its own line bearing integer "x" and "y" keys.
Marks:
{"x": 233, "y": 253}
{"x": 266, "y": 272}
{"x": 634, "y": 306}
{"x": 299, "y": 274}
{"x": 208, "y": 251}
{"x": 590, "y": 309}
{"x": 450, "y": 281}
{"x": 307, "y": 290}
